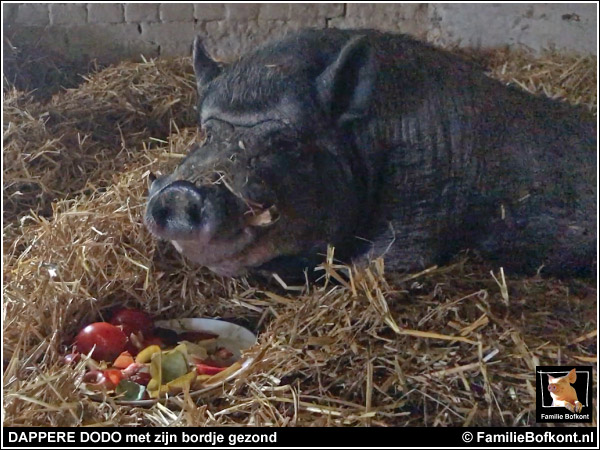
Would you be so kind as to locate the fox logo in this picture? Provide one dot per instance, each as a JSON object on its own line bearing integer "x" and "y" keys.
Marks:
{"x": 563, "y": 394}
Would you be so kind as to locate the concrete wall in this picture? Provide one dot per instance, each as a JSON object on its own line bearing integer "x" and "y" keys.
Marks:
{"x": 112, "y": 31}
{"x": 570, "y": 26}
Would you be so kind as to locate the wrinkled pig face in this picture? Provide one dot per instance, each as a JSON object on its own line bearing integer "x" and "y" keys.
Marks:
{"x": 237, "y": 204}
{"x": 272, "y": 178}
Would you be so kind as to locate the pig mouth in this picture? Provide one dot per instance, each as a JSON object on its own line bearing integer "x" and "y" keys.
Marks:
{"x": 222, "y": 257}
{"x": 210, "y": 229}
{"x": 231, "y": 258}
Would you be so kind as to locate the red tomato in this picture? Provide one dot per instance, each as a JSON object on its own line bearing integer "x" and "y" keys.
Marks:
{"x": 108, "y": 339}
{"x": 71, "y": 358}
{"x": 205, "y": 369}
{"x": 133, "y": 321}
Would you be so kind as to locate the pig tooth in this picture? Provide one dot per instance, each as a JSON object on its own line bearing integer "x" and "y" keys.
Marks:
{"x": 266, "y": 217}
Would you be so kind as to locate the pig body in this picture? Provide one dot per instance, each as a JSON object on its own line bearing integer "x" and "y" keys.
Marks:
{"x": 563, "y": 394}
{"x": 379, "y": 145}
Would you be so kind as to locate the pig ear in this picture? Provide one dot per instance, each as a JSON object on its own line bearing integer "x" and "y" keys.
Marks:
{"x": 205, "y": 67}
{"x": 550, "y": 378}
{"x": 345, "y": 87}
{"x": 572, "y": 376}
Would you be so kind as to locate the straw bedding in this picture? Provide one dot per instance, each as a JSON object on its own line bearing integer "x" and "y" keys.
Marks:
{"x": 454, "y": 345}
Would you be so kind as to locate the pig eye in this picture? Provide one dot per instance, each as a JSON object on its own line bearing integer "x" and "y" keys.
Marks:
{"x": 216, "y": 127}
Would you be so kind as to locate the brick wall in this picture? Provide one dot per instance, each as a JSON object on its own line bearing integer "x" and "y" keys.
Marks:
{"x": 112, "y": 31}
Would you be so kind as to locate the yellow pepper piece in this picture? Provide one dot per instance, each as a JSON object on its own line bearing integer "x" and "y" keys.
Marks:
{"x": 169, "y": 371}
{"x": 172, "y": 387}
{"x": 182, "y": 383}
{"x": 145, "y": 355}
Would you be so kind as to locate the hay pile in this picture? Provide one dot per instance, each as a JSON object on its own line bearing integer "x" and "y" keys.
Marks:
{"x": 82, "y": 136}
{"x": 450, "y": 346}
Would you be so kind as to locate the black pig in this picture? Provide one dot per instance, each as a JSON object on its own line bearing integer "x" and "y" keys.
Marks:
{"x": 378, "y": 145}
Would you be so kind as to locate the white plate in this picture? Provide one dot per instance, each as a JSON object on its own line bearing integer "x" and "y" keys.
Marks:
{"x": 231, "y": 336}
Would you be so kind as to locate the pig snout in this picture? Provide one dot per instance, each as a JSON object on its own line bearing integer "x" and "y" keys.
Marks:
{"x": 181, "y": 210}
{"x": 552, "y": 388}
{"x": 208, "y": 224}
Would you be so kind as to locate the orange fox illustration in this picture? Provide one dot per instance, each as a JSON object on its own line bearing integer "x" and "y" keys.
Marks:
{"x": 563, "y": 394}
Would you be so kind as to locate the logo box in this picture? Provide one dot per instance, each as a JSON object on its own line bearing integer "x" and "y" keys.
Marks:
{"x": 545, "y": 412}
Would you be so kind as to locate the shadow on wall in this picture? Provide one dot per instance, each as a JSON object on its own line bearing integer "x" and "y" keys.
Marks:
{"x": 46, "y": 59}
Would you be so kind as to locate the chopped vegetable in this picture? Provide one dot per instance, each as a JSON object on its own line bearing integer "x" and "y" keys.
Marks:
{"x": 132, "y": 369}
{"x": 173, "y": 363}
{"x": 183, "y": 382}
{"x": 205, "y": 369}
{"x": 142, "y": 378}
{"x": 146, "y": 355}
{"x": 154, "y": 340}
{"x": 114, "y": 376}
{"x": 195, "y": 351}
{"x": 133, "y": 363}
{"x": 123, "y": 361}
{"x": 130, "y": 391}
{"x": 174, "y": 386}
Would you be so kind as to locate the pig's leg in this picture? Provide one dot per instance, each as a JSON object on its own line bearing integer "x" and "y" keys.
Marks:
{"x": 562, "y": 403}
{"x": 525, "y": 239}
{"x": 576, "y": 407}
